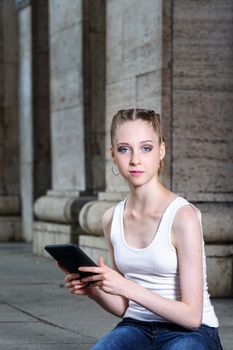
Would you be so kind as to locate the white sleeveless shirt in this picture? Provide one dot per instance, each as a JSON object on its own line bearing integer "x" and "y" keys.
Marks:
{"x": 155, "y": 267}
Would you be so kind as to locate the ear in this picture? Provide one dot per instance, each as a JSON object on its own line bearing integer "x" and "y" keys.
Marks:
{"x": 162, "y": 150}
{"x": 112, "y": 154}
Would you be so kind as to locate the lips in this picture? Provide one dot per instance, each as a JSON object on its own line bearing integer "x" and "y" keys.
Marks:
{"x": 136, "y": 172}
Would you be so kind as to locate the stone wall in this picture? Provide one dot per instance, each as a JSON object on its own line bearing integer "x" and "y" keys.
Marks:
{"x": 202, "y": 143}
{"x": 202, "y": 148}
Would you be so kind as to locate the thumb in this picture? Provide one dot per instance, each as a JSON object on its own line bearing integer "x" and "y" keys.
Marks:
{"x": 101, "y": 261}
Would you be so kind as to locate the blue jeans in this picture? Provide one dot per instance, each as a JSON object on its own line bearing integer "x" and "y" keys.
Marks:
{"x": 132, "y": 334}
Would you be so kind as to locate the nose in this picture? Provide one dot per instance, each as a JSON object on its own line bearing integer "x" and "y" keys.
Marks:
{"x": 135, "y": 159}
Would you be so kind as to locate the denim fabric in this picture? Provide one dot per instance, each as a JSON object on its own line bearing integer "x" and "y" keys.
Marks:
{"x": 131, "y": 334}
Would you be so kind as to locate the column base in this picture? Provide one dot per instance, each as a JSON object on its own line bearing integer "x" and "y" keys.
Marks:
{"x": 95, "y": 247}
{"x": 10, "y": 228}
{"x": 52, "y": 233}
{"x": 10, "y": 220}
{"x": 219, "y": 260}
{"x": 57, "y": 220}
{"x": 90, "y": 217}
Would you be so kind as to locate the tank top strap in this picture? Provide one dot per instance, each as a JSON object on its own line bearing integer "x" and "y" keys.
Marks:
{"x": 164, "y": 231}
{"x": 172, "y": 209}
{"x": 176, "y": 204}
{"x": 165, "y": 224}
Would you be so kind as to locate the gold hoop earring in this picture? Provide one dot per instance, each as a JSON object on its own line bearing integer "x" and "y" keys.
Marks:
{"x": 115, "y": 173}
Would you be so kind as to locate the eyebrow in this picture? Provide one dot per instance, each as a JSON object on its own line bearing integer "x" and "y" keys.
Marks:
{"x": 141, "y": 142}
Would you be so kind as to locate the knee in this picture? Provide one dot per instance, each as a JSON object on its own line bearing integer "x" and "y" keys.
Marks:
{"x": 105, "y": 343}
{"x": 97, "y": 346}
{"x": 184, "y": 343}
{"x": 100, "y": 345}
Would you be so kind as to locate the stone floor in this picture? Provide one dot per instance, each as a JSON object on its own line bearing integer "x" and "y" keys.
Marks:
{"x": 37, "y": 312}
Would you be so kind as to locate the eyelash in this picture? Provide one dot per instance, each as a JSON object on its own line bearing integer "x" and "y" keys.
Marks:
{"x": 124, "y": 149}
{"x": 149, "y": 148}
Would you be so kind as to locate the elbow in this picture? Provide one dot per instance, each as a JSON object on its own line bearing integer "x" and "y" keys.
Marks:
{"x": 195, "y": 323}
{"x": 121, "y": 310}
{"x": 119, "y": 313}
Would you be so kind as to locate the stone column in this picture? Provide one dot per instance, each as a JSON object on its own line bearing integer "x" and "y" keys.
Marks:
{"x": 34, "y": 107}
{"x": 56, "y": 212}
{"x": 133, "y": 79}
{"x": 25, "y": 112}
{"x": 10, "y": 221}
{"x": 41, "y": 99}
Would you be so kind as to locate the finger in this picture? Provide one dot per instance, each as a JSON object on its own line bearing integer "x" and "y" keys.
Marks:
{"x": 69, "y": 286}
{"x": 80, "y": 286}
{"x": 91, "y": 279}
{"x": 70, "y": 277}
{"x": 92, "y": 269}
{"x": 101, "y": 261}
{"x": 72, "y": 287}
{"x": 80, "y": 292}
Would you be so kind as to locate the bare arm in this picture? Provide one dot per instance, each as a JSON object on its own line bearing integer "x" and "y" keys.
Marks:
{"x": 113, "y": 303}
{"x": 187, "y": 238}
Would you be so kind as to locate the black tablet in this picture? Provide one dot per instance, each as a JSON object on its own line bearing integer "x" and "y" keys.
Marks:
{"x": 71, "y": 257}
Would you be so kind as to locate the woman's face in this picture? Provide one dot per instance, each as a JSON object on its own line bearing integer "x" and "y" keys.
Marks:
{"x": 137, "y": 152}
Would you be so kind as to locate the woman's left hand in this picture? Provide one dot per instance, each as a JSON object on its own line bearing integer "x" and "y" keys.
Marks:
{"x": 107, "y": 279}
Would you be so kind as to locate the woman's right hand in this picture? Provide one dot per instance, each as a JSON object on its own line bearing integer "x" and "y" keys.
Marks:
{"x": 73, "y": 283}
{"x": 75, "y": 286}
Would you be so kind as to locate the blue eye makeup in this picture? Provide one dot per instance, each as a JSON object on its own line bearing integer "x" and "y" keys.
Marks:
{"x": 123, "y": 149}
{"x": 128, "y": 149}
{"x": 147, "y": 148}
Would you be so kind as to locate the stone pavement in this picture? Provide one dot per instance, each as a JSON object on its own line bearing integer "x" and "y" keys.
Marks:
{"x": 37, "y": 312}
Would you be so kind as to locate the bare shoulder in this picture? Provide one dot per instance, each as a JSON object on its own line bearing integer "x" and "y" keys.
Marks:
{"x": 187, "y": 214}
{"x": 187, "y": 223}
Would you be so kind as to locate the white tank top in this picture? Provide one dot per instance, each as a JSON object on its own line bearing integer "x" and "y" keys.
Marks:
{"x": 155, "y": 267}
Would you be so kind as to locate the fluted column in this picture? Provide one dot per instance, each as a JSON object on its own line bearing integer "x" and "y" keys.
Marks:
{"x": 77, "y": 85}
{"x": 134, "y": 75}
{"x": 10, "y": 220}
{"x": 56, "y": 211}
{"x": 134, "y": 79}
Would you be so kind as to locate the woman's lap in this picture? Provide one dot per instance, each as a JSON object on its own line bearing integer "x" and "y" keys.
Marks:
{"x": 123, "y": 337}
{"x": 132, "y": 334}
{"x": 204, "y": 338}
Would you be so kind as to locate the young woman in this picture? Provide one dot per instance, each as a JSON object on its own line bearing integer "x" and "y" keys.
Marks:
{"x": 158, "y": 280}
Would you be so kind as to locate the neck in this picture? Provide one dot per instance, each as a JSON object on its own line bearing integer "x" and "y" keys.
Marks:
{"x": 147, "y": 196}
